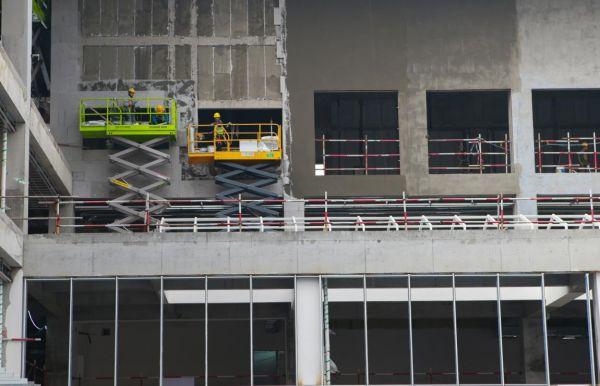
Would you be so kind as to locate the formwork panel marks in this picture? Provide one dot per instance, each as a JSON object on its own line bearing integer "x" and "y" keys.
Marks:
{"x": 273, "y": 73}
{"x": 183, "y": 20}
{"x": 256, "y": 17}
{"x": 160, "y": 62}
{"x": 205, "y": 72}
{"x": 108, "y": 17}
{"x": 183, "y": 66}
{"x": 239, "y": 72}
{"x": 239, "y": 18}
{"x": 204, "y": 18}
{"x": 143, "y": 17}
{"x": 160, "y": 17}
{"x": 222, "y": 18}
{"x": 126, "y": 11}
{"x": 256, "y": 72}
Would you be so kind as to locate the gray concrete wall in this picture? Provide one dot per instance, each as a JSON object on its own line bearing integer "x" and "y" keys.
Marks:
{"x": 11, "y": 242}
{"x": 203, "y": 53}
{"x": 414, "y": 46}
{"x": 404, "y": 46}
{"x": 311, "y": 253}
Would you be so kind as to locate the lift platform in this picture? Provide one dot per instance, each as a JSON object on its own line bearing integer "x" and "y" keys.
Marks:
{"x": 244, "y": 142}
{"x": 139, "y": 131}
{"x": 106, "y": 117}
{"x": 245, "y": 154}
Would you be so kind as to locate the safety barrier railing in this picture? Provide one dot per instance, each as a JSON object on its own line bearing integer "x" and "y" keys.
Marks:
{"x": 567, "y": 154}
{"x": 472, "y": 155}
{"x": 329, "y": 214}
{"x": 125, "y": 111}
{"x": 232, "y": 137}
{"x": 366, "y": 157}
{"x": 377, "y": 223}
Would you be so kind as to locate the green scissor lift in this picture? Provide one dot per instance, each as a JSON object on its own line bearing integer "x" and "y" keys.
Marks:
{"x": 140, "y": 129}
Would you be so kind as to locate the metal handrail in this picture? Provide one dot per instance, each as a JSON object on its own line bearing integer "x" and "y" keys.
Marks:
{"x": 205, "y": 134}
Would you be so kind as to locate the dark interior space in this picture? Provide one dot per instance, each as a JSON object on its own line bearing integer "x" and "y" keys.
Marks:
{"x": 205, "y": 116}
{"x": 565, "y": 123}
{"x": 360, "y": 130}
{"x": 455, "y": 122}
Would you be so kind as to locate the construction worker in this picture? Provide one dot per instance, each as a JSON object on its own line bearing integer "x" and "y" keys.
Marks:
{"x": 220, "y": 134}
{"x": 583, "y": 157}
{"x": 130, "y": 105}
{"x": 159, "y": 116}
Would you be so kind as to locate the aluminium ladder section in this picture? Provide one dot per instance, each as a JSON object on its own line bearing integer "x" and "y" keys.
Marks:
{"x": 134, "y": 168}
{"x": 236, "y": 187}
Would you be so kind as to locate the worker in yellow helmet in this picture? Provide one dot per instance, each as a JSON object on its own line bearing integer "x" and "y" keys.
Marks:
{"x": 159, "y": 117}
{"x": 220, "y": 133}
{"x": 130, "y": 106}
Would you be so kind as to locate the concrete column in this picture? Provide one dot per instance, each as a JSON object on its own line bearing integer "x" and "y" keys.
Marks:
{"x": 13, "y": 322}
{"x": 533, "y": 351}
{"x": 17, "y": 178}
{"x": 293, "y": 209}
{"x": 308, "y": 330}
{"x": 523, "y": 149}
{"x": 595, "y": 286}
{"x": 16, "y": 36}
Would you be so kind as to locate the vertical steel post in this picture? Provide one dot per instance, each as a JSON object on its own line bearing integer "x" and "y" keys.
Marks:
{"x": 456, "y": 367}
{"x": 327, "y": 344}
{"x": 162, "y": 332}
{"x": 295, "y": 305}
{"x": 500, "y": 333}
{"x": 590, "y": 330}
{"x": 324, "y": 155}
{"x": 404, "y": 211}
{"x": 570, "y": 160}
{"x": 322, "y": 350}
{"x": 365, "y": 324}
{"x": 506, "y": 162}
{"x": 24, "y": 328}
{"x": 480, "y": 151}
{"x": 205, "y": 330}
{"x": 539, "y": 152}
{"x": 70, "y": 360}
{"x": 116, "y": 348}
{"x": 410, "y": 332}
{"x": 595, "y": 153}
{"x": 545, "y": 330}
{"x": 366, "y": 155}
{"x": 251, "y": 292}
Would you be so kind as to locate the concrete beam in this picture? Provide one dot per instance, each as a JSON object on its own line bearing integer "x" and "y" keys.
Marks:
{"x": 13, "y": 93}
{"x": 311, "y": 253}
{"x": 11, "y": 242}
{"x": 49, "y": 154}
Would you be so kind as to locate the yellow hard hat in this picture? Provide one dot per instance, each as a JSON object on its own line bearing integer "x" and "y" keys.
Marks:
{"x": 132, "y": 90}
{"x": 216, "y": 115}
{"x": 160, "y": 108}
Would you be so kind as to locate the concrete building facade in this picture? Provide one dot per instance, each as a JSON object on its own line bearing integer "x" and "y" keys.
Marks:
{"x": 431, "y": 220}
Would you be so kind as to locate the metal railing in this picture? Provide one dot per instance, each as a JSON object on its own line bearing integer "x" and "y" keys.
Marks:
{"x": 472, "y": 155}
{"x": 325, "y": 214}
{"x": 567, "y": 154}
{"x": 208, "y": 139}
{"x": 364, "y": 157}
{"x": 126, "y": 111}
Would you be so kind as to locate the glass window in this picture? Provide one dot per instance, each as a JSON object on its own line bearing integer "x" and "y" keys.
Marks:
{"x": 228, "y": 331}
{"x": 48, "y": 310}
{"x": 433, "y": 330}
{"x": 139, "y": 332}
{"x": 344, "y": 333}
{"x": 477, "y": 329}
{"x": 273, "y": 331}
{"x": 93, "y": 356}
{"x": 388, "y": 330}
{"x": 184, "y": 330}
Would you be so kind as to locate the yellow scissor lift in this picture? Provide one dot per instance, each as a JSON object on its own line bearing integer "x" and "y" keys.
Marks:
{"x": 244, "y": 150}
{"x": 140, "y": 125}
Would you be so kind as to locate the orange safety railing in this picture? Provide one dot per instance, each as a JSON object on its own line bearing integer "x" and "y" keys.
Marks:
{"x": 567, "y": 154}
{"x": 208, "y": 139}
{"x": 472, "y": 155}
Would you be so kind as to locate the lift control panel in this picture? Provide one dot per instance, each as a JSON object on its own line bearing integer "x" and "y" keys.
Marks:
{"x": 134, "y": 118}
{"x": 234, "y": 142}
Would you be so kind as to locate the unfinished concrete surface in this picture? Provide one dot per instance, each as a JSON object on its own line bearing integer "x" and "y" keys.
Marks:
{"x": 419, "y": 46}
{"x": 311, "y": 253}
{"x": 203, "y": 53}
